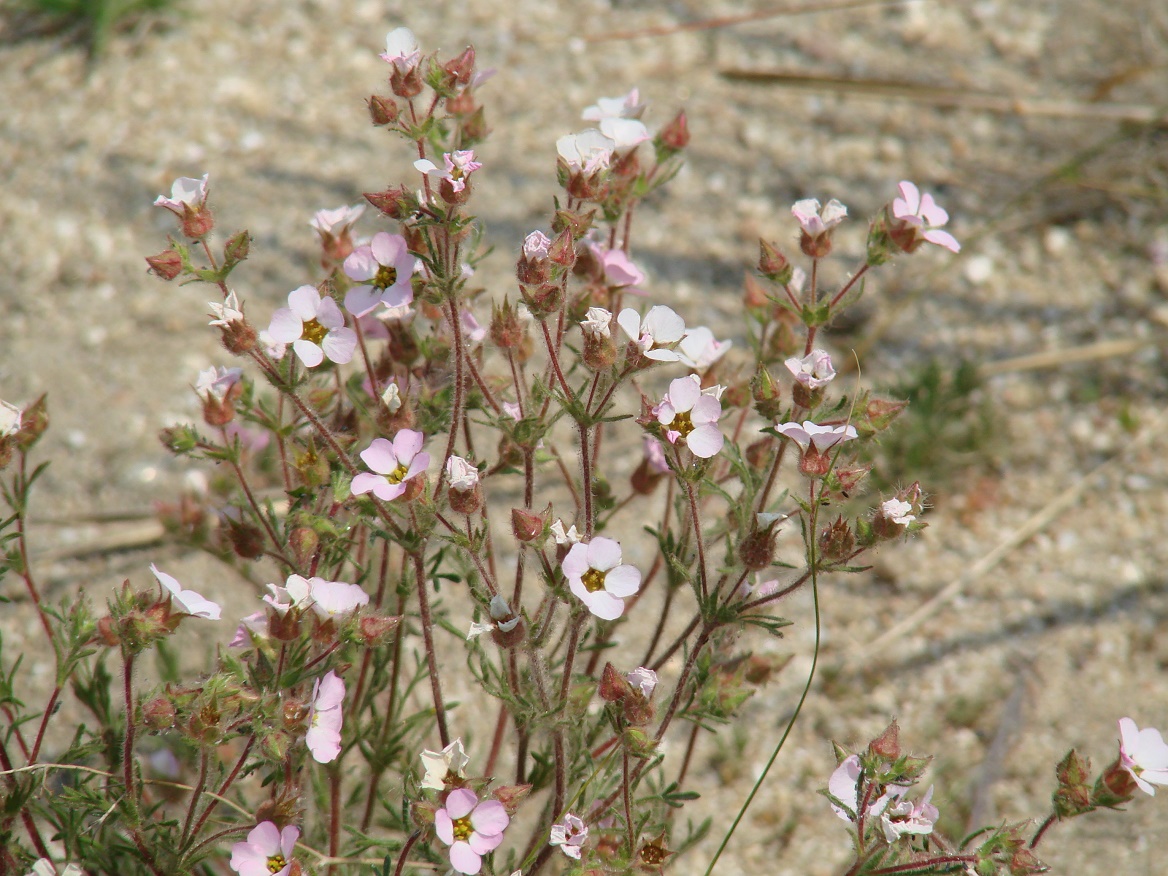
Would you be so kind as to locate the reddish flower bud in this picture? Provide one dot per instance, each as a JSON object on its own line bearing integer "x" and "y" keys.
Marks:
{"x": 197, "y": 221}
{"x": 382, "y": 110}
{"x": 614, "y": 687}
{"x": 757, "y": 549}
{"x": 376, "y": 629}
{"x": 527, "y": 526}
{"x": 167, "y": 264}
{"x": 765, "y": 393}
{"x": 34, "y": 420}
{"x": 247, "y": 539}
{"x": 406, "y": 84}
{"x": 772, "y": 264}
{"x": 462, "y": 68}
{"x": 675, "y": 135}
{"x": 837, "y": 541}
{"x": 506, "y": 329}
{"x": 107, "y": 632}
{"x": 887, "y": 744}
{"x": 562, "y": 250}
{"x": 396, "y": 203}
{"x": 159, "y": 714}
{"x": 814, "y": 464}
{"x": 577, "y": 223}
{"x": 304, "y": 543}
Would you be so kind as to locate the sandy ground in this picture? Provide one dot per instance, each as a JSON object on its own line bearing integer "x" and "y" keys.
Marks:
{"x": 1062, "y": 209}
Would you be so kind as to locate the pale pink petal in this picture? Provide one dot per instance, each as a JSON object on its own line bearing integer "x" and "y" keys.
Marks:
{"x": 360, "y": 264}
{"x": 623, "y": 581}
{"x": 388, "y": 248}
{"x": 406, "y": 444}
{"x": 339, "y": 345}
{"x": 604, "y": 605}
{"x": 420, "y": 463}
{"x": 942, "y": 238}
{"x": 706, "y": 409}
{"x": 684, "y": 392}
{"x": 288, "y": 837}
{"x": 705, "y": 441}
{"x": 575, "y": 563}
{"x": 603, "y": 553}
{"x": 460, "y": 803}
{"x": 664, "y": 324}
{"x": 932, "y": 212}
{"x": 304, "y": 302}
{"x": 629, "y": 321}
{"x": 483, "y": 843}
{"x": 444, "y": 826}
{"x": 380, "y": 456}
{"x": 310, "y": 354}
{"x": 361, "y": 300}
{"x": 285, "y": 326}
{"x": 329, "y": 315}
{"x": 489, "y": 818}
{"x": 464, "y": 859}
{"x": 365, "y": 482}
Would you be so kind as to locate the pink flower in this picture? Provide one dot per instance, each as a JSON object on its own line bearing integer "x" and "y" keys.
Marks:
{"x": 472, "y": 330}
{"x": 324, "y": 731}
{"x": 215, "y": 383}
{"x": 619, "y": 270}
{"x": 656, "y": 333}
{"x": 267, "y": 852}
{"x": 569, "y": 835}
{"x": 190, "y": 601}
{"x": 401, "y": 49}
{"x": 185, "y": 194}
{"x": 625, "y": 133}
{"x": 395, "y": 463}
{"x": 918, "y": 218}
{"x": 596, "y": 576}
{"x": 654, "y": 455}
{"x": 471, "y": 828}
{"x": 461, "y": 474}
{"x": 844, "y": 786}
{"x": 586, "y": 152}
{"x": 535, "y": 245}
{"x": 822, "y": 437}
{"x": 315, "y": 327}
{"x": 816, "y": 221}
{"x": 1144, "y": 754}
{"x": 645, "y": 680}
{"x": 335, "y": 598}
{"x": 383, "y": 270}
{"x": 814, "y": 370}
{"x": 252, "y": 627}
{"x": 459, "y": 166}
{"x": 898, "y": 511}
{"x": 690, "y": 416}
{"x": 698, "y": 349}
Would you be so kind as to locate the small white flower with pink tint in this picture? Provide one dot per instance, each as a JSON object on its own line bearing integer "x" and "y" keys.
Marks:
{"x": 450, "y": 762}
{"x": 627, "y": 106}
{"x": 335, "y": 599}
{"x": 315, "y": 327}
{"x": 898, "y": 511}
{"x": 900, "y": 817}
{"x": 699, "y": 349}
{"x": 918, "y": 219}
{"x": 596, "y": 322}
{"x": 10, "y": 418}
{"x": 1144, "y": 754}
{"x": 814, "y": 370}
{"x": 337, "y": 221}
{"x": 185, "y": 194}
{"x": 586, "y": 152}
{"x": 644, "y": 680}
{"x": 822, "y": 437}
{"x": 569, "y": 835}
{"x": 458, "y": 168}
{"x": 191, "y": 602}
{"x": 472, "y": 828}
{"x": 691, "y": 417}
{"x": 324, "y": 731}
{"x": 595, "y": 574}
{"x": 401, "y": 49}
{"x": 252, "y": 627}
{"x": 815, "y": 220}
{"x": 267, "y": 851}
{"x": 216, "y": 383}
{"x": 394, "y": 463}
{"x": 656, "y": 333}
{"x": 383, "y": 269}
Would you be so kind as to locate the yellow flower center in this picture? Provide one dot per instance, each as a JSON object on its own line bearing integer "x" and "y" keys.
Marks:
{"x": 313, "y": 331}
{"x": 463, "y": 828}
{"x": 398, "y": 474}
{"x": 593, "y": 580}
{"x": 385, "y": 277}
{"x": 276, "y": 863}
{"x": 682, "y": 423}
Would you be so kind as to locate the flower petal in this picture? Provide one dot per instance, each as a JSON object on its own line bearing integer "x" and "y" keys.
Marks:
{"x": 460, "y": 803}
{"x": 339, "y": 345}
{"x": 623, "y": 581}
{"x": 285, "y": 326}
{"x": 603, "y": 553}
{"x": 310, "y": 354}
{"x": 705, "y": 441}
{"x": 304, "y": 302}
{"x": 380, "y": 456}
{"x": 464, "y": 859}
{"x": 604, "y": 605}
{"x": 490, "y": 818}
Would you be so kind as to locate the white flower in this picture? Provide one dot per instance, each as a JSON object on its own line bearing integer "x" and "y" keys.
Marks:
{"x": 660, "y": 329}
{"x": 334, "y": 222}
{"x": 627, "y": 106}
{"x": 215, "y": 383}
{"x": 822, "y": 437}
{"x": 597, "y": 321}
{"x": 10, "y": 417}
{"x": 815, "y": 221}
{"x": 192, "y": 603}
{"x": 451, "y": 760}
{"x": 562, "y": 537}
{"x": 644, "y": 680}
{"x": 843, "y": 785}
{"x": 814, "y": 370}
{"x": 902, "y": 817}
{"x": 1144, "y": 754}
{"x": 587, "y": 151}
{"x": 459, "y": 166}
{"x": 596, "y": 576}
{"x": 391, "y": 398}
{"x": 394, "y": 463}
{"x": 625, "y": 133}
{"x": 325, "y": 720}
{"x": 569, "y": 835}
{"x": 401, "y": 49}
{"x": 691, "y": 417}
{"x": 315, "y": 327}
{"x": 698, "y": 349}
{"x": 462, "y": 475}
{"x": 383, "y": 270}
{"x": 898, "y": 511}
{"x": 226, "y": 311}
{"x": 185, "y": 192}
{"x": 535, "y": 245}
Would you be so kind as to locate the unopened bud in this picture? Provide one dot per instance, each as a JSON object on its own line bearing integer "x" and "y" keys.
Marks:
{"x": 578, "y": 224}
{"x": 382, "y": 110}
{"x": 562, "y": 250}
{"x": 765, "y": 393}
{"x": 543, "y": 300}
{"x": 880, "y": 413}
{"x": 377, "y": 630}
{"x": 167, "y": 264}
{"x": 107, "y": 632}
{"x": 396, "y": 203}
{"x": 887, "y": 744}
{"x": 675, "y": 135}
{"x": 462, "y": 68}
{"x": 772, "y": 264}
{"x": 304, "y": 543}
{"x": 247, "y": 539}
{"x": 526, "y": 526}
{"x": 757, "y": 550}
{"x": 237, "y": 248}
{"x": 159, "y": 714}
{"x": 506, "y": 327}
{"x": 34, "y": 420}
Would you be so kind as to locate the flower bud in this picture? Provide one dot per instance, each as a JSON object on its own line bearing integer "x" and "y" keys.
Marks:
{"x": 461, "y": 69}
{"x": 772, "y": 264}
{"x": 599, "y": 352}
{"x": 167, "y": 264}
{"x": 813, "y": 463}
{"x": 382, "y": 110}
{"x": 247, "y": 539}
{"x": 674, "y": 136}
{"x": 527, "y": 526}
{"x": 614, "y": 687}
{"x": 107, "y": 632}
{"x": 757, "y": 550}
{"x": 506, "y": 328}
{"x": 396, "y": 203}
{"x": 578, "y": 224}
{"x": 237, "y": 248}
{"x": 159, "y": 714}
{"x": 543, "y": 300}
{"x": 880, "y": 413}
{"x": 765, "y": 393}
{"x": 638, "y": 743}
{"x": 511, "y": 796}
{"x": 1115, "y": 787}
{"x": 805, "y": 396}
{"x": 376, "y": 630}
{"x": 407, "y": 83}
{"x": 1073, "y": 796}
{"x": 886, "y": 746}
{"x": 34, "y": 420}
{"x": 304, "y": 543}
